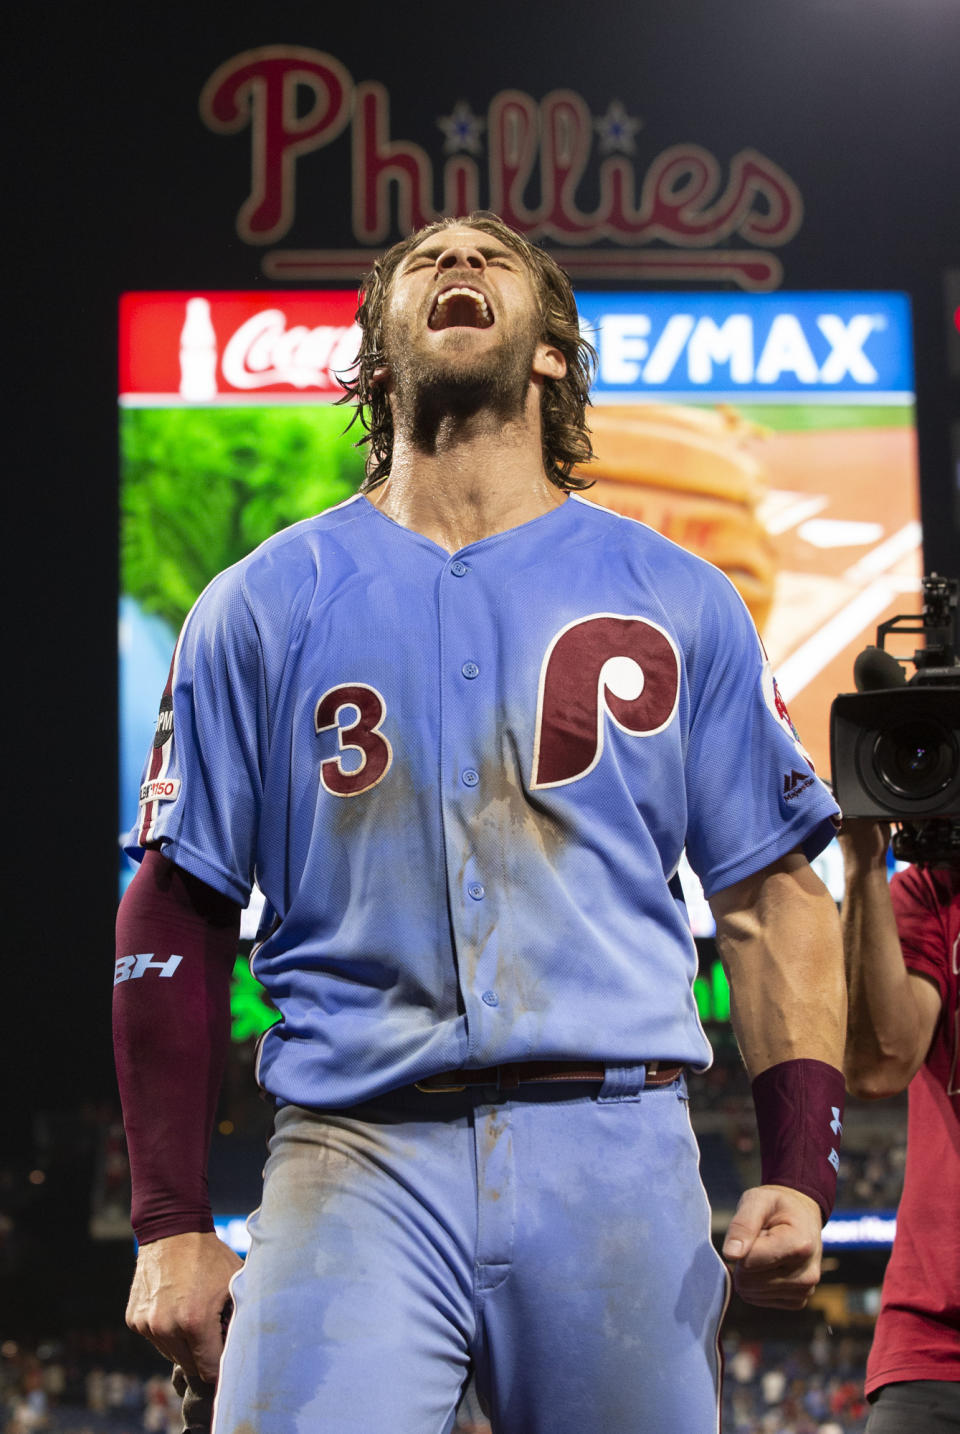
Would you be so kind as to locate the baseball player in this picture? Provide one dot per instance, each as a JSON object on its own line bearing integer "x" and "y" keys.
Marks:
{"x": 460, "y": 730}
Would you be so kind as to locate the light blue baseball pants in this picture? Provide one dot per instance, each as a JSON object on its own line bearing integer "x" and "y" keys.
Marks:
{"x": 556, "y": 1238}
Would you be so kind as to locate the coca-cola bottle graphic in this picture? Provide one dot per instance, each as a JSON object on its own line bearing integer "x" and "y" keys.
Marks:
{"x": 198, "y": 353}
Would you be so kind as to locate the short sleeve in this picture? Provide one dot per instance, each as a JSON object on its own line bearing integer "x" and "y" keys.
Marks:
{"x": 752, "y": 793}
{"x": 201, "y": 790}
{"x": 919, "y": 912}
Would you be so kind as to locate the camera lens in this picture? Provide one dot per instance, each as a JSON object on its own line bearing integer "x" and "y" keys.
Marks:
{"x": 916, "y": 759}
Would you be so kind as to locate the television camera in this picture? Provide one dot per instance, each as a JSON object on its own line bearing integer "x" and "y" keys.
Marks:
{"x": 895, "y": 743}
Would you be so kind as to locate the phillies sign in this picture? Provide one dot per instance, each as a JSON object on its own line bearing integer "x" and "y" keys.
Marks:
{"x": 667, "y": 222}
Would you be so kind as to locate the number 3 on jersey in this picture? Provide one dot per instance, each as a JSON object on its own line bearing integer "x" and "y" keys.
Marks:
{"x": 363, "y": 736}
{"x": 605, "y": 665}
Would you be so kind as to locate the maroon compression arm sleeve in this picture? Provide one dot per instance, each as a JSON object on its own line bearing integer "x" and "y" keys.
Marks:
{"x": 176, "y": 945}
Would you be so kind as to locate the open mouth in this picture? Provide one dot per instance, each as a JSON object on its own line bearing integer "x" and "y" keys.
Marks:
{"x": 460, "y": 308}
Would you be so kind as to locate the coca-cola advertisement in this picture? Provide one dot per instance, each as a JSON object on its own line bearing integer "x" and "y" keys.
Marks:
{"x": 235, "y": 347}
{"x": 772, "y": 434}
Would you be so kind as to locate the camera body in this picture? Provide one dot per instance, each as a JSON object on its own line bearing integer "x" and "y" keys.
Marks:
{"x": 895, "y": 744}
{"x": 896, "y": 753}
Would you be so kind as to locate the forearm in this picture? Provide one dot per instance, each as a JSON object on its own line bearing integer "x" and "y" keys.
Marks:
{"x": 780, "y": 945}
{"x": 171, "y": 1031}
{"x": 779, "y": 937}
{"x": 883, "y": 1032}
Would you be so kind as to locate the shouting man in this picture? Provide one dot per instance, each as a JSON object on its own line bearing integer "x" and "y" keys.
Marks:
{"x": 460, "y": 730}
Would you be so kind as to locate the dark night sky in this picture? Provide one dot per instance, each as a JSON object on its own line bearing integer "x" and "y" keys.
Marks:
{"x": 114, "y": 183}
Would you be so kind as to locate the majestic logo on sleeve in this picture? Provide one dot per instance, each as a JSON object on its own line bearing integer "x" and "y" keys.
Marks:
{"x": 794, "y": 783}
{"x": 604, "y": 666}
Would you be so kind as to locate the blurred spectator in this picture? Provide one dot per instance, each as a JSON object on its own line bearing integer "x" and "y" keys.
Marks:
{"x": 161, "y": 1414}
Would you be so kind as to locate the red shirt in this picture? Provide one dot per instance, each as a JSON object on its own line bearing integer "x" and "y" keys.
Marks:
{"x": 918, "y": 1329}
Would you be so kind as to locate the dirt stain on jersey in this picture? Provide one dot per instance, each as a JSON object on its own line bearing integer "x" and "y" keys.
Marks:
{"x": 393, "y": 802}
{"x": 512, "y": 818}
{"x": 512, "y": 837}
{"x": 471, "y": 952}
{"x": 516, "y": 843}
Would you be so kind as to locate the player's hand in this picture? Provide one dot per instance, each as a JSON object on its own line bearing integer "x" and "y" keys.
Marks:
{"x": 178, "y": 1294}
{"x": 774, "y": 1247}
{"x": 864, "y": 843}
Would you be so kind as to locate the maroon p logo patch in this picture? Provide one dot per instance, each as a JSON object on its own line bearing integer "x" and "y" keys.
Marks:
{"x": 605, "y": 665}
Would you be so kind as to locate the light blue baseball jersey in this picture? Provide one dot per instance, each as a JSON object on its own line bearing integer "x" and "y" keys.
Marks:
{"x": 464, "y": 783}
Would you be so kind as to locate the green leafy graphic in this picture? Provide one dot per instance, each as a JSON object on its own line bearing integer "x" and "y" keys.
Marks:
{"x": 250, "y": 1012}
{"x": 203, "y": 486}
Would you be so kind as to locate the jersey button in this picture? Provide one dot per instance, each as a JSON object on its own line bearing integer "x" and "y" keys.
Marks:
{"x": 490, "y": 998}
{"x": 470, "y": 669}
{"x": 459, "y": 569}
{"x": 476, "y": 891}
{"x": 470, "y": 777}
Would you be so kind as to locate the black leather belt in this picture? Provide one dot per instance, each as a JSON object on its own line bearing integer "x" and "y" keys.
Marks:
{"x": 514, "y": 1073}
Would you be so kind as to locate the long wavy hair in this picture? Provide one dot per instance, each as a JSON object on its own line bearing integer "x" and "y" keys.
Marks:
{"x": 566, "y": 438}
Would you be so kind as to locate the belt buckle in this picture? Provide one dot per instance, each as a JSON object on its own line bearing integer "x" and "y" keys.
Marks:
{"x": 438, "y": 1089}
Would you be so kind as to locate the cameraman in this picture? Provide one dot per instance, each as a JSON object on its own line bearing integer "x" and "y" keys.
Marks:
{"x": 902, "y": 951}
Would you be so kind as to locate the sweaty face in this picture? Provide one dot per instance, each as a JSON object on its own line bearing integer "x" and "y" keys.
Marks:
{"x": 461, "y": 325}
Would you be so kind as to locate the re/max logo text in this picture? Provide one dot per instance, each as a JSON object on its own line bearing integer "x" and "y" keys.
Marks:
{"x": 815, "y": 344}
{"x": 628, "y": 354}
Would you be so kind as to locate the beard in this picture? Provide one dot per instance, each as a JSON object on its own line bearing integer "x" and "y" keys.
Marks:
{"x": 443, "y": 389}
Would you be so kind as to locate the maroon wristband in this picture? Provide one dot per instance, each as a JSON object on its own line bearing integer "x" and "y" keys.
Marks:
{"x": 799, "y": 1107}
